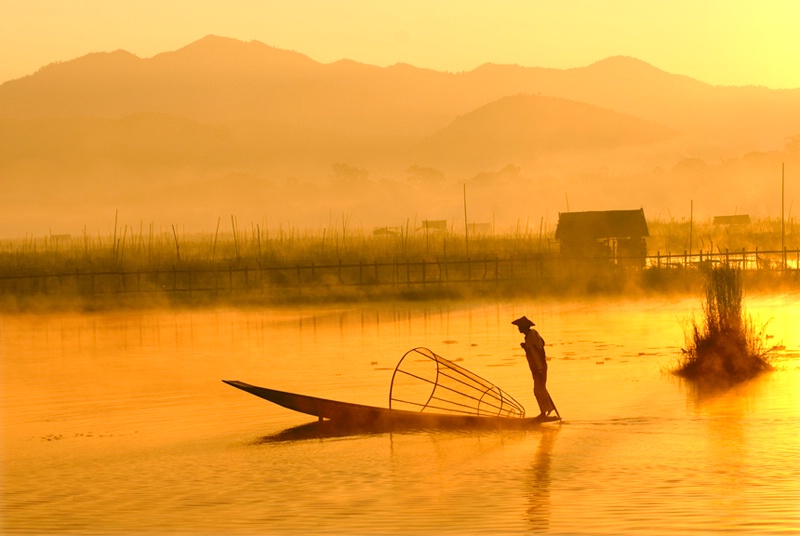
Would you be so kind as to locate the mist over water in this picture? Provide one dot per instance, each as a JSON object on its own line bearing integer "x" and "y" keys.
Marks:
{"x": 118, "y": 423}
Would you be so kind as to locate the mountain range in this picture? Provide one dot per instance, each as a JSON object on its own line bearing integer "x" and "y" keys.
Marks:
{"x": 111, "y": 128}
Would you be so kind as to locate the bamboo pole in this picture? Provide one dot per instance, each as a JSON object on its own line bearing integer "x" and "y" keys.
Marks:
{"x": 466, "y": 225}
{"x": 783, "y": 221}
{"x": 177, "y": 246}
{"x": 216, "y": 235}
{"x": 691, "y": 224}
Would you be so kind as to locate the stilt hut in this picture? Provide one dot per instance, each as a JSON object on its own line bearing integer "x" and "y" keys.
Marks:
{"x": 615, "y": 235}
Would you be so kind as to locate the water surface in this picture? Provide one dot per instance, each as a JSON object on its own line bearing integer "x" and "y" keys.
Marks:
{"x": 118, "y": 423}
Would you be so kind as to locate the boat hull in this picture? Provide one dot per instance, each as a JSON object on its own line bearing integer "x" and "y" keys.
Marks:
{"x": 358, "y": 415}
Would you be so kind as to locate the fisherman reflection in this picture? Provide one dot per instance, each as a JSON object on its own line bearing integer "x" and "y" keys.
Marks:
{"x": 537, "y": 361}
{"x": 539, "y": 497}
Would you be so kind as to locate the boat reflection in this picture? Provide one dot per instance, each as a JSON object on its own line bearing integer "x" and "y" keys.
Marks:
{"x": 327, "y": 429}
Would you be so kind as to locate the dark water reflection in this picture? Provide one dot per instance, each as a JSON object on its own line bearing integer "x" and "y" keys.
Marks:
{"x": 330, "y": 429}
{"x": 118, "y": 423}
{"x": 539, "y": 508}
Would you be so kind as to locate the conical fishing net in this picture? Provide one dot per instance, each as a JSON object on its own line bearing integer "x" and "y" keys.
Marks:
{"x": 426, "y": 382}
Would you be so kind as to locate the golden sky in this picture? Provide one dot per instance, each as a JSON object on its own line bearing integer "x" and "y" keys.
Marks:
{"x": 725, "y": 42}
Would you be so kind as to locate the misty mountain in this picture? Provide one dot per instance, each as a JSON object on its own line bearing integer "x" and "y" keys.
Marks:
{"x": 343, "y": 110}
{"x": 527, "y": 128}
{"x": 223, "y": 126}
{"x": 224, "y": 80}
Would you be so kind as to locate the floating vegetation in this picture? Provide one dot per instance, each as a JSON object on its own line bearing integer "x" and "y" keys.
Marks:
{"x": 727, "y": 348}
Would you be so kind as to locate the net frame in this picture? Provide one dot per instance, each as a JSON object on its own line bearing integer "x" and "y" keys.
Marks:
{"x": 454, "y": 390}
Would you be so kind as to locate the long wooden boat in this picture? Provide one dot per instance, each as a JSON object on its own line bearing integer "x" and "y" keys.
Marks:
{"x": 358, "y": 415}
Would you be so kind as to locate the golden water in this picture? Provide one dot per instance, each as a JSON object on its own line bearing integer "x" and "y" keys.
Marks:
{"x": 118, "y": 423}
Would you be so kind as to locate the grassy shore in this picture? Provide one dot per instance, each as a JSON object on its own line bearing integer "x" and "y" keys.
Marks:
{"x": 301, "y": 265}
{"x": 140, "y": 246}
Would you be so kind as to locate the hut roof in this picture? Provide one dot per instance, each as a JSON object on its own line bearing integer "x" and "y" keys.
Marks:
{"x": 595, "y": 225}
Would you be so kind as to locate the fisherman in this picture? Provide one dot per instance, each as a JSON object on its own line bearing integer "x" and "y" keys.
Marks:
{"x": 537, "y": 361}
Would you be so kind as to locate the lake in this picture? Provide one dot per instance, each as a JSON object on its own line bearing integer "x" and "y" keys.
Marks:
{"x": 119, "y": 423}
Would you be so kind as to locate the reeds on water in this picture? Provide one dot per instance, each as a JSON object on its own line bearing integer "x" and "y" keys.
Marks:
{"x": 726, "y": 348}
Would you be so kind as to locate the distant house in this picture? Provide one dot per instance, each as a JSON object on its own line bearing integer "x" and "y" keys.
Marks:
{"x": 386, "y": 231}
{"x": 738, "y": 219}
{"x": 619, "y": 235}
{"x": 434, "y": 225}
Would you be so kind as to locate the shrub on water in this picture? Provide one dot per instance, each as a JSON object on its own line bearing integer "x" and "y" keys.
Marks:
{"x": 726, "y": 348}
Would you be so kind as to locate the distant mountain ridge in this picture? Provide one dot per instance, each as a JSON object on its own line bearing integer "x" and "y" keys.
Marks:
{"x": 526, "y": 127}
{"x": 219, "y": 80}
{"x": 122, "y": 127}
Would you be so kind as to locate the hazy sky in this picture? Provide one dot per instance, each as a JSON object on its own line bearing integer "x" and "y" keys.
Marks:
{"x": 728, "y": 42}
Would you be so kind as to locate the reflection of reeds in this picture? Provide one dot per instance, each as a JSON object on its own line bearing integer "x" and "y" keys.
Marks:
{"x": 726, "y": 348}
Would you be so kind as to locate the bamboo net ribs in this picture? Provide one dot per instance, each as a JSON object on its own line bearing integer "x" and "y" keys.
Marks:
{"x": 426, "y": 382}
